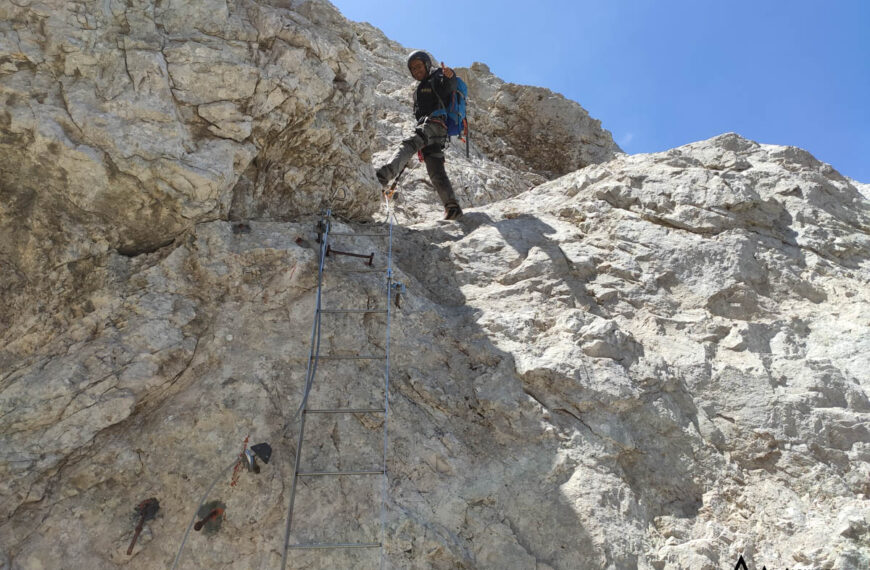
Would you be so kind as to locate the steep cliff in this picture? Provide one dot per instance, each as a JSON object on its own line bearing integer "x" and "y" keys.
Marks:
{"x": 650, "y": 361}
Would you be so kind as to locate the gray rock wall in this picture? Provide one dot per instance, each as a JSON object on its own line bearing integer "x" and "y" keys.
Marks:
{"x": 655, "y": 361}
{"x": 544, "y": 132}
{"x": 125, "y": 124}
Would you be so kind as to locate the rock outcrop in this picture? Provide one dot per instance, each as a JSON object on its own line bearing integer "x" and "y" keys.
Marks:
{"x": 126, "y": 124}
{"x": 547, "y": 134}
{"x": 654, "y": 361}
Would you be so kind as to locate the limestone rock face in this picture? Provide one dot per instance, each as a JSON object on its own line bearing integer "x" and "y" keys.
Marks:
{"x": 125, "y": 124}
{"x": 653, "y": 362}
{"x": 545, "y": 132}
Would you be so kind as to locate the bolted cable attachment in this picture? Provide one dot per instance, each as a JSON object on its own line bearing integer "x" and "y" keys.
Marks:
{"x": 323, "y": 224}
{"x": 261, "y": 451}
{"x": 211, "y": 516}
{"x": 250, "y": 461}
{"x": 398, "y": 290}
{"x": 145, "y": 511}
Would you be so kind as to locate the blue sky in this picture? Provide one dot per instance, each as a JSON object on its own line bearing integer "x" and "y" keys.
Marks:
{"x": 663, "y": 73}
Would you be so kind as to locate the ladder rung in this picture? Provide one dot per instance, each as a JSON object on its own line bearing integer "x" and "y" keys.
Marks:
{"x": 347, "y": 234}
{"x": 336, "y": 473}
{"x": 354, "y": 270}
{"x": 346, "y": 411}
{"x": 314, "y": 545}
{"x": 367, "y": 357}
{"x": 334, "y": 311}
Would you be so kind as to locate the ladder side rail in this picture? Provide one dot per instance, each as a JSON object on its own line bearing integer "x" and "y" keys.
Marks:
{"x": 387, "y": 393}
{"x": 309, "y": 379}
{"x": 313, "y": 360}
{"x": 314, "y": 353}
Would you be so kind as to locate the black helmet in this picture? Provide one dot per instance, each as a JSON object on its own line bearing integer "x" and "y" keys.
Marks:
{"x": 422, "y": 56}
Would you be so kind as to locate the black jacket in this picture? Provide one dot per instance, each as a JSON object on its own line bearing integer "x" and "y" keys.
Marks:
{"x": 426, "y": 97}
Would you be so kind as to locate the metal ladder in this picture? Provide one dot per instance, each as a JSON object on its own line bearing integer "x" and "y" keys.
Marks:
{"x": 315, "y": 358}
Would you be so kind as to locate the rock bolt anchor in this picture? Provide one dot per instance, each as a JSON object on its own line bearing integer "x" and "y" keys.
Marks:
{"x": 146, "y": 510}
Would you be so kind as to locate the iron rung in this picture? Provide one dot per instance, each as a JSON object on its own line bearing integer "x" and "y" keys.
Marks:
{"x": 367, "y": 357}
{"x": 339, "y": 311}
{"x": 370, "y": 257}
{"x": 354, "y": 270}
{"x": 346, "y": 411}
{"x": 314, "y": 545}
{"x": 348, "y": 234}
{"x": 337, "y": 473}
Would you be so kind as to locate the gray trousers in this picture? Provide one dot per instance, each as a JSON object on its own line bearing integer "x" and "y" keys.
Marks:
{"x": 430, "y": 137}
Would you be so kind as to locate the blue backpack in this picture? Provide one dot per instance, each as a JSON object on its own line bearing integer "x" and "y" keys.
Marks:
{"x": 453, "y": 111}
{"x": 457, "y": 123}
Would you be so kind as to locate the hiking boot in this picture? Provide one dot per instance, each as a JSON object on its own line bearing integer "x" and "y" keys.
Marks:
{"x": 452, "y": 211}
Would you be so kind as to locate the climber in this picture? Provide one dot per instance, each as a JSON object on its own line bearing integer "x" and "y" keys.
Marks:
{"x": 430, "y": 133}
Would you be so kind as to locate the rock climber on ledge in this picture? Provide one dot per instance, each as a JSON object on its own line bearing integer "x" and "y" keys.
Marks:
{"x": 430, "y": 133}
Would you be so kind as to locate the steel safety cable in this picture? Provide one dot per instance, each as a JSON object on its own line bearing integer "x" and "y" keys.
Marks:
{"x": 384, "y": 486}
{"x": 314, "y": 354}
{"x": 196, "y": 512}
{"x": 313, "y": 358}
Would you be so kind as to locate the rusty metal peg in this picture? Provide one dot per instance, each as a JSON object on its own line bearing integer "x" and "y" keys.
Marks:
{"x": 214, "y": 514}
{"x": 146, "y": 510}
{"x": 370, "y": 257}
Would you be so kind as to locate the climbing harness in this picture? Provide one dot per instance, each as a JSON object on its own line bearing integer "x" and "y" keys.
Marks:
{"x": 305, "y": 411}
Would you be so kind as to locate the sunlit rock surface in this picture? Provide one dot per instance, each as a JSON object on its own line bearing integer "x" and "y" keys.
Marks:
{"x": 654, "y": 361}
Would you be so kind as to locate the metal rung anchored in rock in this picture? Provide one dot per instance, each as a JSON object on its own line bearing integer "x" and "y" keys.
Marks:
{"x": 146, "y": 510}
{"x": 370, "y": 257}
